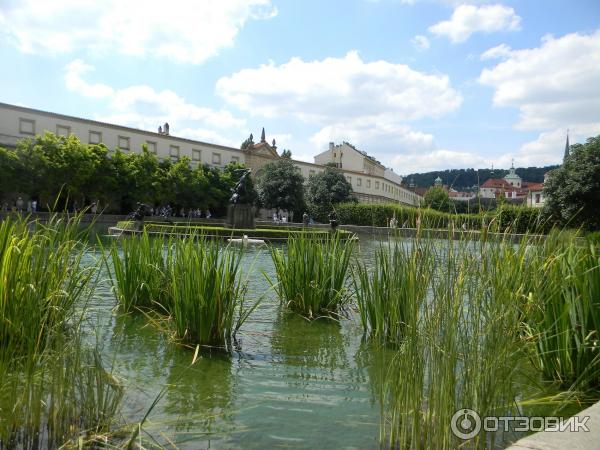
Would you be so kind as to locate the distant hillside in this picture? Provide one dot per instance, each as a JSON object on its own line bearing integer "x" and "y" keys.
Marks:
{"x": 464, "y": 179}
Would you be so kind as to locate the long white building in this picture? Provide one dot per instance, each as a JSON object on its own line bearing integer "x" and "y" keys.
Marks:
{"x": 370, "y": 180}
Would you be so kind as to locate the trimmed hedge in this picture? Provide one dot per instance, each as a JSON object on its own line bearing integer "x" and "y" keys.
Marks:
{"x": 517, "y": 219}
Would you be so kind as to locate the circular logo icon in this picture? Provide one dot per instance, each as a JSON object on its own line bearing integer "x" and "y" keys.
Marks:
{"x": 466, "y": 424}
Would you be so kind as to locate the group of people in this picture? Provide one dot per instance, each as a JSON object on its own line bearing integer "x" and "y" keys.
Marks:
{"x": 191, "y": 213}
{"x": 20, "y": 205}
{"x": 279, "y": 218}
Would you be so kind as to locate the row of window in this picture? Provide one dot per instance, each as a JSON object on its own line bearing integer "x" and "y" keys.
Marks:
{"x": 385, "y": 187}
{"x": 27, "y": 126}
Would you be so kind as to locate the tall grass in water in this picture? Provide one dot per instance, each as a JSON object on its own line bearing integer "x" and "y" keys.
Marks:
{"x": 52, "y": 388}
{"x": 206, "y": 293}
{"x": 139, "y": 277}
{"x": 563, "y": 312}
{"x": 195, "y": 282}
{"x": 393, "y": 290}
{"x": 462, "y": 349}
{"x": 312, "y": 274}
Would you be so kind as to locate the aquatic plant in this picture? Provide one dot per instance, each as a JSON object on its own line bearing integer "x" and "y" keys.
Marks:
{"x": 54, "y": 387}
{"x": 562, "y": 314}
{"x": 393, "y": 289}
{"x": 139, "y": 277}
{"x": 205, "y": 291}
{"x": 312, "y": 274}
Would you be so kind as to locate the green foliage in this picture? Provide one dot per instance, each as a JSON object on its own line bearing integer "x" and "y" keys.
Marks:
{"x": 437, "y": 198}
{"x": 206, "y": 292}
{"x": 49, "y": 167}
{"x": 281, "y": 185}
{"x": 328, "y": 187}
{"x": 249, "y": 142}
{"x": 392, "y": 291}
{"x": 573, "y": 190}
{"x": 312, "y": 275}
{"x": 562, "y": 314}
{"x": 54, "y": 386}
{"x": 194, "y": 282}
{"x": 517, "y": 219}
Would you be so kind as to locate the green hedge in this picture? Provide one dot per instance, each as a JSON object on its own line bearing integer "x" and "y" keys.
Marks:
{"x": 518, "y": 219}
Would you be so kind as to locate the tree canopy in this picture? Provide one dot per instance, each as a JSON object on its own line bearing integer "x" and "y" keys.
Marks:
{"x": 281, "y": 185}
{"x": 573, "y": 190}
{"x": 51, "y": 167}
{"x": 437, "y": 198}
{"x": 328, "y": 187}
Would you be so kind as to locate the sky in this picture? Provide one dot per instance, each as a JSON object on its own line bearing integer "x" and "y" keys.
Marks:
{"x": 419, "y": 84}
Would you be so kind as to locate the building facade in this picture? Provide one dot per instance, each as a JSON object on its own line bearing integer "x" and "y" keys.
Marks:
{"x": 370, "y": 180}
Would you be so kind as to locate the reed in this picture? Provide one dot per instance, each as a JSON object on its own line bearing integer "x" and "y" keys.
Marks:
{"x": 461, "y": 349}
{"x": 563, "y": 312}
{"x": 139, "y": 272}
{"x": 393, "y": 290}
{"x": 312, "y": 274}
{"x": 54, "y": 388}
{"x": 206, "y": 293}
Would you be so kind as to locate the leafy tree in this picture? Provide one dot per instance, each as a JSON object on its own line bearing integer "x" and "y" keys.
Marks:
{"x": 436, "y": 198}
{"x": 328, "y": 187}
{"x": 281, "y": 185}
{"x": 573, "y": 191}
{"x": 10, "y": 167}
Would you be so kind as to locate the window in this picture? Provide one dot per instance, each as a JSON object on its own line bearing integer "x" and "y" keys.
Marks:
{"x": 235, "y": 159}
{"x": 537, "y": 198}
{"x": 63, "y": 130}
{"x": 216, "y": 158}
{"x": 369, "y": 184}
{"x": 359, "y": 181}
{"x": 174, "y": 152}
{"x": 95, "y": 137}
{"x": 196, "y": 154}
{"x": 311, "y": 172}
{"x": 123, "y": 143}
{"x": 349, "y": 180}
{"x": 26, "y": 126}
{"x": 377, "y": 185}
{"x": 151, "y": 146}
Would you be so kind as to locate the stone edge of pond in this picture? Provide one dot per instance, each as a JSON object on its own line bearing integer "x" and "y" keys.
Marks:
{"x": 558, "y": 440}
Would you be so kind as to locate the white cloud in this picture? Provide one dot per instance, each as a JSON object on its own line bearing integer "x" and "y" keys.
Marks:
{"x": 439, "y": 159}
{"x": 366, "y": 103}
{"x": 499, "y": 52}
{"x": 181, "y": 30}
{"x": 143, "y": 107}
{"x": 469, "y": 19}
{"x": 420, "y": 42}
{"x": 338, "y": 89}
{"x": 553, "y": 85}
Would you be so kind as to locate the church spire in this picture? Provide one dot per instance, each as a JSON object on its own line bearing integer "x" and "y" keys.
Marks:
{"x": 262, "y": 136}
{"x": 567, "y": 148}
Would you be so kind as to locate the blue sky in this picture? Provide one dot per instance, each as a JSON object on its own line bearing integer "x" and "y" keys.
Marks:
{"x": 419, "y": 84}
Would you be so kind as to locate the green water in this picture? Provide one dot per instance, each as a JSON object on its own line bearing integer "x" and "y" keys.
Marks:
{"x": 291, "y": 384}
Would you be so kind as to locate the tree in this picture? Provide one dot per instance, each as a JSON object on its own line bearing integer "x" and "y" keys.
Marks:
{"x": 281, "y": 186}
{"x": 286, "y": 154}
{"x": 328, "y": 187}
{"x": 10, "y": 167}
{"x": 573, "y": 190}
{"x": 436, "y": 198}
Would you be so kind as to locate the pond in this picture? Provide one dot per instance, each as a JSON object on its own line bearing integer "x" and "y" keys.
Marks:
{"x": 292, "y": 383}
